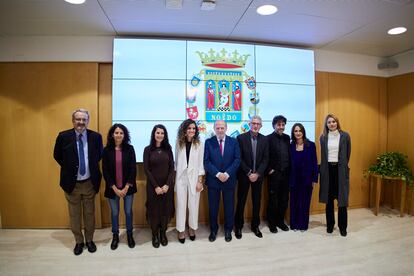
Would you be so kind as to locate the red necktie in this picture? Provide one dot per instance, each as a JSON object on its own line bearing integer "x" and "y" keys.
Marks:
{"x": 221, "y": 147}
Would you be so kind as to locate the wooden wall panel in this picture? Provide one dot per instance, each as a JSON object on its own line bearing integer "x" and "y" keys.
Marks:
{"x": 401, "y": 121}
{"x": 37, "y": 100}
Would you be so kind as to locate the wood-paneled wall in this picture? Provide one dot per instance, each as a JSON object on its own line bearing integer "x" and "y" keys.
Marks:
{"x": 38, "y": 99}
{"x": 401, "y": 123}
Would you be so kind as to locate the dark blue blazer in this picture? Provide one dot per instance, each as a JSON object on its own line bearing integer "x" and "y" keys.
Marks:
{"x": 214, "y": 162}
{"x": 66, "y": 154}
{"x": 311, "y": 164}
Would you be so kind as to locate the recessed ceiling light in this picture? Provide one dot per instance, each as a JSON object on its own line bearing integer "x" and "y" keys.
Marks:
{"x": 396, "y": 31}
{"x": 266, "y": 9}
{"x": 76, "y": 2}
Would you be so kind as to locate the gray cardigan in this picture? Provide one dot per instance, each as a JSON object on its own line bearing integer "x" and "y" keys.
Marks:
{"x": 343, "y": 169}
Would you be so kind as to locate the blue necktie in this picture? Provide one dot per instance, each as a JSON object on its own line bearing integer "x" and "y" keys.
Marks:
{"x": 82, "y": 169}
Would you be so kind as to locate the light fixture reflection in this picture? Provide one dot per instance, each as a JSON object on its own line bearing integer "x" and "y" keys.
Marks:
{"x": 397, "y": 30}
{"x": 266, "y": 10}
{"x": 76, "y": 2}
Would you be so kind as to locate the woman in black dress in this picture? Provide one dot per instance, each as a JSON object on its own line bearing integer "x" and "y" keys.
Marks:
{"x": 159, "y": 168}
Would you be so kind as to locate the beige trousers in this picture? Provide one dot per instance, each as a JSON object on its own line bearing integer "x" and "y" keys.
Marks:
{"x": 82, "y": 201}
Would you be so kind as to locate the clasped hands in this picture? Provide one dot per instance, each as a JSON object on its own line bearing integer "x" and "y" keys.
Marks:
{"x": 120, "y": 192}
{"x": 161, "y": 190}
{"x": 223, "y": 177}
{"x": 253, "y": 177}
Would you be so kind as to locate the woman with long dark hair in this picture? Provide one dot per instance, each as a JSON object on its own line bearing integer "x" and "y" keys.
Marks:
{"x": 119, "y": 171}
{"x": 334, "y": 170}
{"x": 303, "y": 176}
{"x": 189, "y": 153}
{"x": 159, "y": 168}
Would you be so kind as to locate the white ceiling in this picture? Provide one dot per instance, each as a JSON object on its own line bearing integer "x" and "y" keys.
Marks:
{"x": 354, "y": 26}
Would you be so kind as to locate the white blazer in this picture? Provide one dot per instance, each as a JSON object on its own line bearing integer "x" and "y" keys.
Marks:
{"x": 195, "y": 165}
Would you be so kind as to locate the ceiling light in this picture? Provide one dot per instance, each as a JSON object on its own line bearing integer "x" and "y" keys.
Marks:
{"x": 397, "y": 30}
{"x": 266, "y": 9}
{"x": 76, "y": 2}
{"x": 208, "y": 5}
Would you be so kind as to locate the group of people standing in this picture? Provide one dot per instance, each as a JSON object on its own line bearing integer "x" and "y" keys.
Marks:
{"x": 221, "y": 164}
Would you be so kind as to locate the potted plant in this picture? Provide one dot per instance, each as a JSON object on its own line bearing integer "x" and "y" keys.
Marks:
{"x": 392, "y": 164}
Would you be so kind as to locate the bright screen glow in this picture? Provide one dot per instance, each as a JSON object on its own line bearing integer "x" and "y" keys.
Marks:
{"x": 168, "y": 81}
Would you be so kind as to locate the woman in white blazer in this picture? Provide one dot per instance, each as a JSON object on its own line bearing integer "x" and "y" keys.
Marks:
{"x": 189, "y": 153}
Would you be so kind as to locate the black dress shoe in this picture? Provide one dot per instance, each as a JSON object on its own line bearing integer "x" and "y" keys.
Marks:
{"x": 155, "y": 240}
{"x": 115, "y": 241}
{"x": 329, "y": 229}
{"x": 283, "y": 227}
{"x": 212, "y": 237}
{"x": 91, "y": 246}
{"x": 227, "y": 236}
{"x": 78, "y": 248}
{"x": 257, "y": 232}
{"x": 163, "y": 238}
{"x": 192, "y": 237}
{"x": 131, "y": 241}
{"x": 343, "y": 232}
{"x": 273, "y": 229}
{"x": 238, "y": 233}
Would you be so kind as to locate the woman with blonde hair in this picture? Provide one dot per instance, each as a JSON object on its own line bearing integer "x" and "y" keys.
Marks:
{"x": 334, "y": 172}
{"x": 189, "y": 153}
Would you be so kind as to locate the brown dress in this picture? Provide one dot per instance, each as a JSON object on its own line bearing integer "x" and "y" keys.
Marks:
{"x": 159, "y": 168}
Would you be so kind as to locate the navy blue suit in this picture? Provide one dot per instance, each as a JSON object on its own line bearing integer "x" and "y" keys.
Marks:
{"x": 214, "y": 163}
{"x": 304, "y": 171}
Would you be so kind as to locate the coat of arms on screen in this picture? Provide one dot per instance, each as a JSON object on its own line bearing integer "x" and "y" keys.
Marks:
{"x": 223, "y": 79}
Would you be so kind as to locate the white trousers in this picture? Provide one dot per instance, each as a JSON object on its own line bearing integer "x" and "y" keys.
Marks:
{"x": 185, "y": 196}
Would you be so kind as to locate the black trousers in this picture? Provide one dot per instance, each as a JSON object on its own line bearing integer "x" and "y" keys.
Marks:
{"x": 278, "y": 191}
{"x": 332, "y": 195}
{"x": 242, "y": 192}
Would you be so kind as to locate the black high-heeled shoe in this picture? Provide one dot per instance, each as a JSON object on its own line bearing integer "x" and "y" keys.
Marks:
{"x": 192, "y": 237}
{"x": 181, "y": 240}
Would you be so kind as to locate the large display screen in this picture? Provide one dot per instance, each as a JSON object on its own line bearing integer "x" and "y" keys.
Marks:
{"x": 168, "y": 81}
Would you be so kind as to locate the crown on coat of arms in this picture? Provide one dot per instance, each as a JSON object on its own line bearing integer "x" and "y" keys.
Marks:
{"x": 223, "y": 59}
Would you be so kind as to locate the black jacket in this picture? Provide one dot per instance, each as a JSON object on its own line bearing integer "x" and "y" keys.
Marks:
{"x": 246, "y": 154}
{"x": 129, "y": 169}
{"x": 279, "y": 152}
{"x": 66, "y": 154}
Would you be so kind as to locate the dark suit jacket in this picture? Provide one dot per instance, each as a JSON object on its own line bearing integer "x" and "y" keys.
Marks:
{"x": 246, "y": 153}
{"x": 310, "y": 169}
{"x": 129, "y": 169}
{"x": 214, "y": 162}
{"x": 275, "y": 155}
{"x": 66, "y": 154}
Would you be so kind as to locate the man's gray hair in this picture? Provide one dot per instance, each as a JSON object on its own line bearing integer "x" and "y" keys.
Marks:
{"x": 82, "y": 110}
{"x": 256, "y": 117}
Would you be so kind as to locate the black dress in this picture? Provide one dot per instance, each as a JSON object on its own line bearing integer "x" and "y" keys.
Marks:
{"x": 159, "y": 168}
